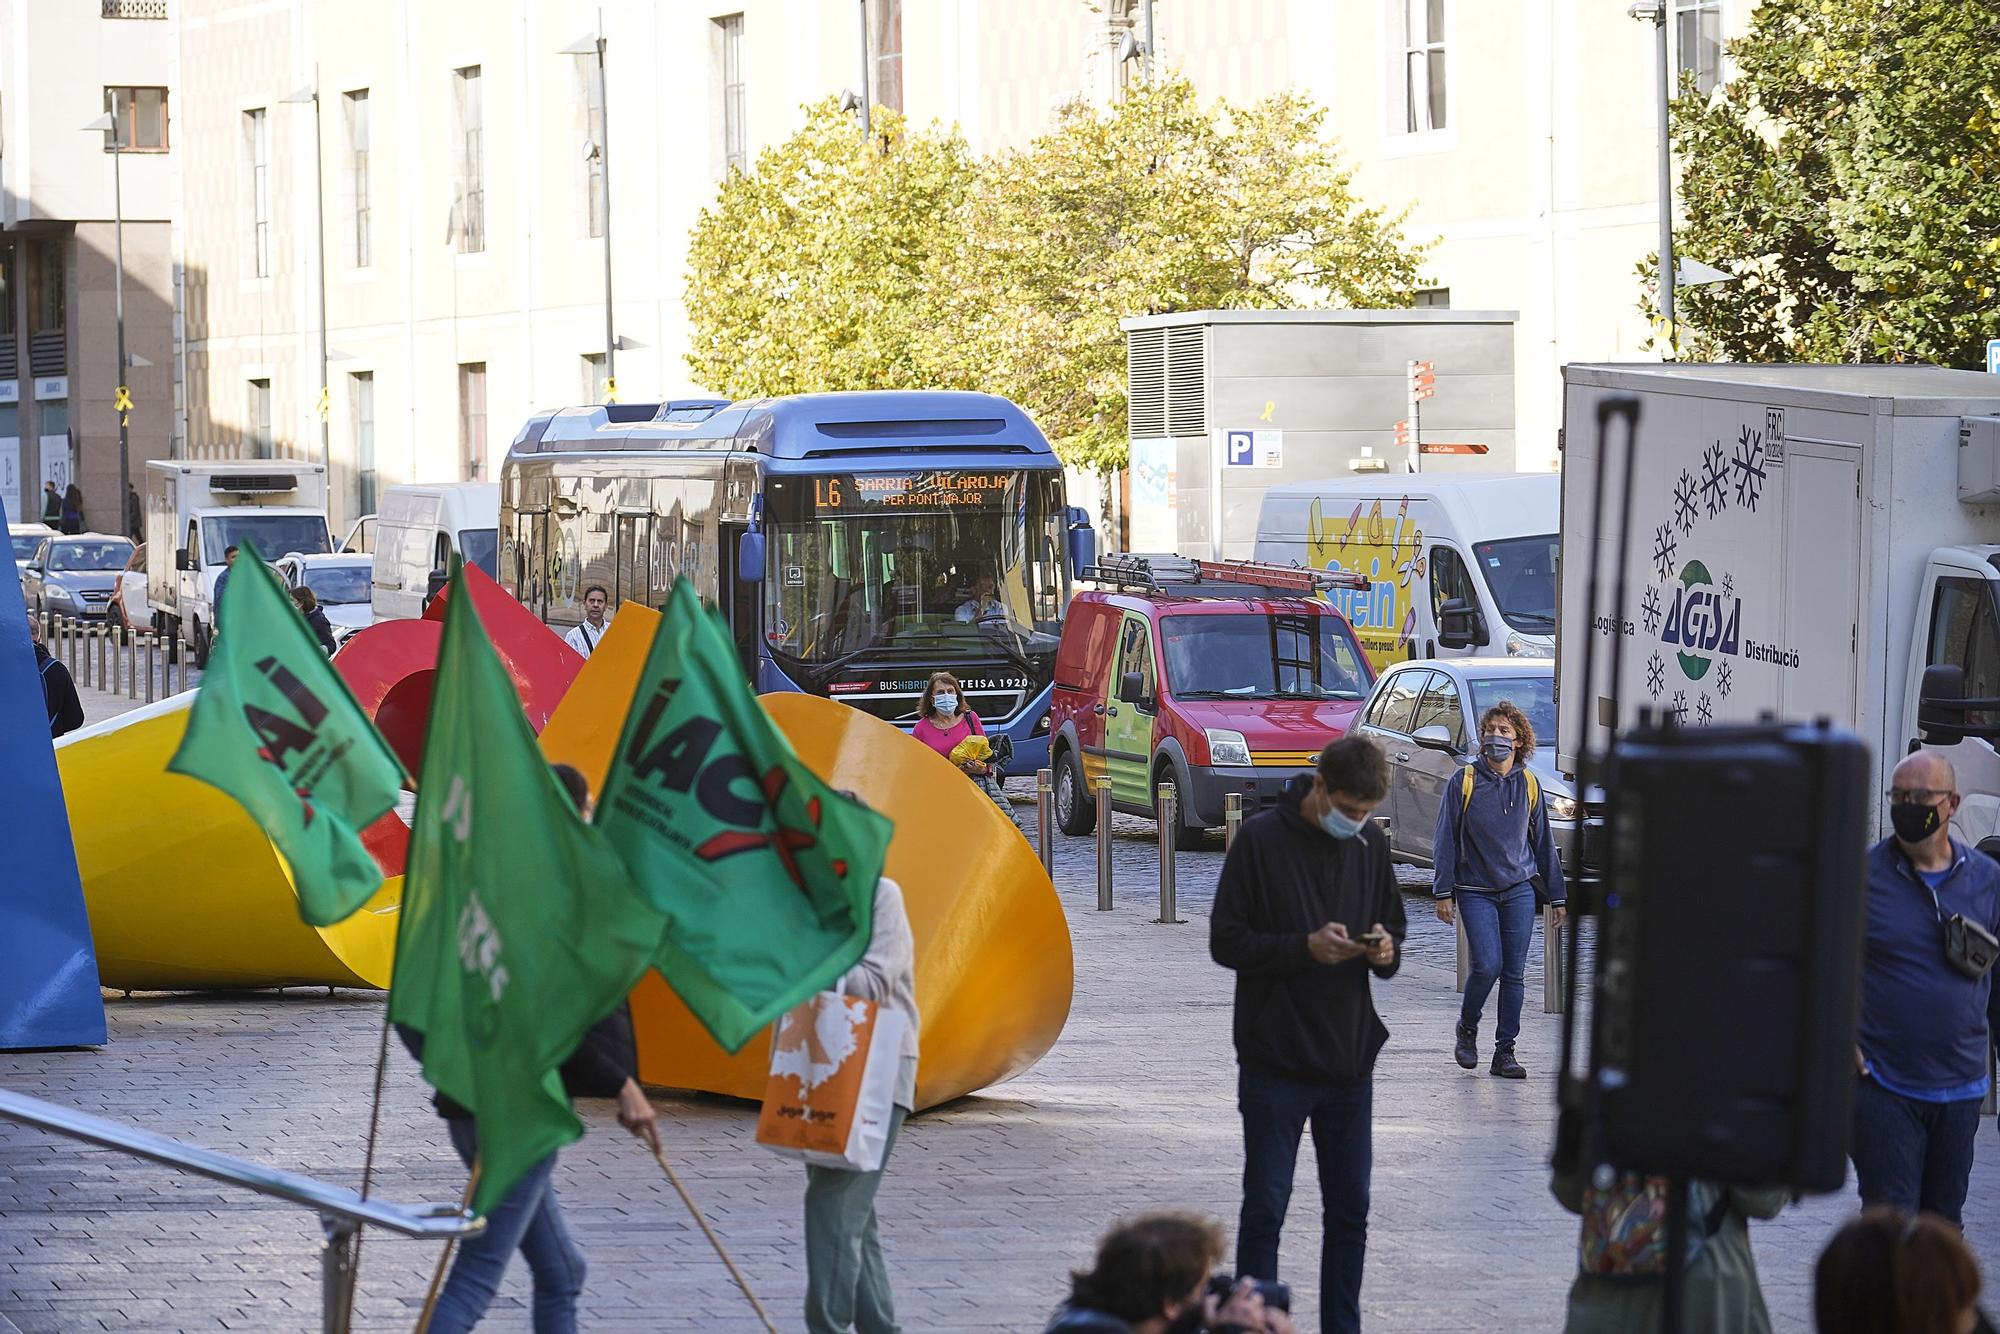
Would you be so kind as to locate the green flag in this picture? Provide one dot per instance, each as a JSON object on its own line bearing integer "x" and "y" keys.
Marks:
{"x": 767, "y": 876}
{"x": 520, "y": 929}
{"x": 276, "y": 728}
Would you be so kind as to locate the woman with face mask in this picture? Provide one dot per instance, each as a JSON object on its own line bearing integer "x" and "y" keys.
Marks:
{"x": 943, "y": 721}
{"x": 1492, "y": 843}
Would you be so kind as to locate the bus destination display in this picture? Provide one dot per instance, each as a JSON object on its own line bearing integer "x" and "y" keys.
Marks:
{"x": 941, "y": 489}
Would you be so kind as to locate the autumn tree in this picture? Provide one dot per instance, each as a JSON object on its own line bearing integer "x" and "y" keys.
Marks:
{"x": 1155, "y": 204}
{"x": 903, "y": 262}
{"x": 1849, "y": 176}
{"x": 809, "y": 271}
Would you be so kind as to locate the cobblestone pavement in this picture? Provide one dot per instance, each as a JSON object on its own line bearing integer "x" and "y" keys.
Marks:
{"x": 986, "y": 1206}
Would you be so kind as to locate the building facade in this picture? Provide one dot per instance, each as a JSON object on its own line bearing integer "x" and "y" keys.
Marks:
{"x": 455, "y": 154}
{"x": 63, "y": 64}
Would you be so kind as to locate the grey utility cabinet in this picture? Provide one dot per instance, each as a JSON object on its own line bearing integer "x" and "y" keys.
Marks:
{"x": 1225, "y": 404}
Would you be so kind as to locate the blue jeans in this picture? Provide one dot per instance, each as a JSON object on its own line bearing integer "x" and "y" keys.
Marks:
{"x": 1275, "y": 1111}
{"x": 1911, "y": 1154}
{"x": 1498, "y": 926}
{"x": 529, "y": 1218}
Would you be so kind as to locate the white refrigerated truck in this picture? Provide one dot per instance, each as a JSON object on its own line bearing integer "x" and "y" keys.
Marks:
{"x": 196, "y": 509}
{"x": 1805, "y": 541}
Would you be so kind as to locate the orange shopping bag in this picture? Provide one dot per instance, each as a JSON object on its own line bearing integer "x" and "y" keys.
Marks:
{"x": 833, "y": 1082}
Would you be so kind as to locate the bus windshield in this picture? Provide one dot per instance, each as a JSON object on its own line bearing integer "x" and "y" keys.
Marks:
{"x": 943, "y": 564}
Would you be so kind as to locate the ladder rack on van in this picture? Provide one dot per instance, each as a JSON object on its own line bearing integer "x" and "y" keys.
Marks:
{"x": 1185, "y": 576}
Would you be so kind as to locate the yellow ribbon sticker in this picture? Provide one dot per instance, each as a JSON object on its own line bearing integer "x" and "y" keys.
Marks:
{"x": 610, "y": 389}
{"x": 122, "y": 405}
{"x": 325, "y": 403}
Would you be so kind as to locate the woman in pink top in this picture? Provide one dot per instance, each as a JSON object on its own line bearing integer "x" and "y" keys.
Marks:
{"x": 943, "y": 721}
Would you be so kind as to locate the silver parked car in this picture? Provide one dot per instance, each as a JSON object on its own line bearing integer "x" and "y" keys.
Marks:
{"x": 1425, "y": 715}
{"x": 73, "y": 574}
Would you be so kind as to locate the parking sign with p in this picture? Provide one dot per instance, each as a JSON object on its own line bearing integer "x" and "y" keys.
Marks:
{"x": 1240, "y": 449}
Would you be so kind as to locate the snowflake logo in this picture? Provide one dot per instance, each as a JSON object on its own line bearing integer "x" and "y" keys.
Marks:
{"x": 1714, "y": 480}
{"x": 1656, "y": 675}
{"x": 1723, "y": 683}
{"x": 1729, "y": 585}
{"x": 1704, "y": 709}
{"x": 1684, "y": 513}
{"x": 1649, "y": 609}
{"x": 1679, "y": 708}
{"x": 1663, "y": 551}
{"x": 1749, "y": 466}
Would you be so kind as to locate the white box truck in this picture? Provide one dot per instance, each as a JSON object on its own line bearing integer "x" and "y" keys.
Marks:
{"x": 419, "y": 528}
{"x": 1425, "y": 541}
{"x": 196, "y": 509}
{"x": 1805, "y": 541}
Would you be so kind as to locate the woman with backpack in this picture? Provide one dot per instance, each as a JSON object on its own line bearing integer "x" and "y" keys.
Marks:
{"x": 1622, "y": 1255}
{"x": 1491, "y": 847}
{"x": 943, "y": 722}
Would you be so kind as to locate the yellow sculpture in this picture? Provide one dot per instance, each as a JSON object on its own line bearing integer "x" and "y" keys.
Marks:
{"x": 184, "y": 892}
{"x": 994, "y": 970}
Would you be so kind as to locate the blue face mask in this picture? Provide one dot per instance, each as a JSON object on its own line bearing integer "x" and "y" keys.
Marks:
{"x": 1338, "y": 825}
{"x": 945, "y": 703}
{"x": 1496, "y": 748}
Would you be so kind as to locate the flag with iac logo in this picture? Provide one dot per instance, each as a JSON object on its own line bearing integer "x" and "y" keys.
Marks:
{"x": 276, "y": 729}
{"x": 766, "y": 875}
{"x": 519, "y": 926}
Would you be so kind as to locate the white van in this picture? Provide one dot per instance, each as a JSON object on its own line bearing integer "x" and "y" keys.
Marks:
{"x": 1426, "y": 543}
{"x": 420, "y": 528}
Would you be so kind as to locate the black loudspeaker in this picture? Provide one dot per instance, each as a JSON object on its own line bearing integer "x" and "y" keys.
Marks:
{"x": 1729, "y": 965}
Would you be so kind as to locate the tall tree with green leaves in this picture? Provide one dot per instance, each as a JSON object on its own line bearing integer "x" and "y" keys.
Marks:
{"x": 1155, "y": 204}
{"x": 809, "y": 271}
{"x": 906, "y": 263}
{"x": 1849, "y": 176}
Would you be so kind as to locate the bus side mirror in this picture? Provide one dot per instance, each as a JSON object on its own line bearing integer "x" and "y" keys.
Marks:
{"x": 1082, "y": 541}
{"x": 750, "y": 557}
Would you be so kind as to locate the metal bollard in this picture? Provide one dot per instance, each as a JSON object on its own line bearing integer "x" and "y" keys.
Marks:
{"x": 1045, "y": 821}
{"x": 1104, "y": 844}
{"x": 1464, "y": 950}
{"x": 152, "y": 650}
{"x": 69, "y": 645}
{"x": 1168, "y": 807}
{"x": 1552, "y": 962}
{"x": 102, "y": 634}
{"x": 115, "y": 635}
{"x": 131, "y": 664}
{"x": 1232, "y": 817}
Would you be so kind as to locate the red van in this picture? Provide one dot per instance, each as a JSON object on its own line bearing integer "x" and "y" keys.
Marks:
{"x": 1214, "y": 676}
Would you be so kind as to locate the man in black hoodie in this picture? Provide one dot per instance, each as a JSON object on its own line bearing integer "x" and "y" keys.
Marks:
{"x": 1306, "y": 909}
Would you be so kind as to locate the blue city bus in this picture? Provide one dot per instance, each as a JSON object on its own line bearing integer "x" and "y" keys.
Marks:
{"x": 855, "y": 542}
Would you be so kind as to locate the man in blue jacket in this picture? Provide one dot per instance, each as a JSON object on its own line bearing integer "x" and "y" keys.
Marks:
{"x": 1491, "y": 843}
{"x": 1306, "y": 912}
{"x": 1926, "y": 1010}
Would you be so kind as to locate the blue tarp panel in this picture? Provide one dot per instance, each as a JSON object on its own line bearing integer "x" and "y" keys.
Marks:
{"x": 48, "y": 971}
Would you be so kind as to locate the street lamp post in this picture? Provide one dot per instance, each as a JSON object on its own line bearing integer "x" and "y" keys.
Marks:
{"x": 1655, "y": 12}
{"x": 593, "y": 44}
{"x": 108, "y": 124}
{"x": 866, "y": 128}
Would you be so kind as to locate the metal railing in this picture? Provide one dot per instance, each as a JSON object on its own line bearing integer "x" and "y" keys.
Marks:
{"x": 114, "y": 658}
{"x": 341, "y": 1211}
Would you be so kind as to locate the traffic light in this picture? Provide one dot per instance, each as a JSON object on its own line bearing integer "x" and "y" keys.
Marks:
{"x": 1423, "y": 380}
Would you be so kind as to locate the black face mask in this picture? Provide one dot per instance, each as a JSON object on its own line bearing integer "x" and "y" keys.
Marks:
{"x": 1914, "y": 821}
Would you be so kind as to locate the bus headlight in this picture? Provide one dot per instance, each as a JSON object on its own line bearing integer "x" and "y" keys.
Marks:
{"x": 1227, "y": 747}
{"x": 1560, "y": 808}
